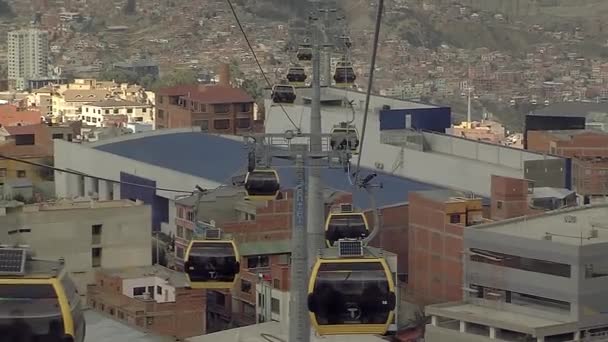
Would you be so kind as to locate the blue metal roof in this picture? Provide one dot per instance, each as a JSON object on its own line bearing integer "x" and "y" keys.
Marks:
{"x": 218, "y": 159}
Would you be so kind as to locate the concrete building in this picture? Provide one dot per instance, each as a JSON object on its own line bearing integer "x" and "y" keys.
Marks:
{"x": 140, "y": 67}
{"x": 88, "y": 235}
{"x": 67, "y": 104}
{"x": 589, "y": 152}
{"x": 150, "y": 159}
{"x": 28, "y": 53}
{"x": 541, "y": 278}
{"x": 151, "y": 298}
{"x": 428, "y": 157}
{"x": 95, "y": 113}
{"x": 437, "y": 221}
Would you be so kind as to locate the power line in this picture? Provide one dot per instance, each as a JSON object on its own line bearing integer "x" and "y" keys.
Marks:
{"x": 2, "y": 156}
{"x": 257, "y": 61}
{"x": 370, "y": 82}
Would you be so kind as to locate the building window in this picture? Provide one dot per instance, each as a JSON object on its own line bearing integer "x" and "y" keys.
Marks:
{"x": 455, "y": 218}
{"x": 115, "y": 111}
{"x": 221, "y": 124}
{"x": 2, "y": 172}
{"x": 179, "y": 252}
{"x": 221, "y": 108}
{"x": 180, "y": 231}
{"x": 244, "y": 107}
{"x": 520, "y": 263}
{"x": 129, "y": 110}
{"x": 57, "y": 136}
{"x": 160, "y": 99}
{"x": 243, "y": 122}
{"x": 202, "y": 107}
{"x": 149, "y": 320}
{"x": 151, "y": 290}
{"x": 96, "y": 229}
{"x": 139, "y": 291}
{"x": 257, "y": 261}
{"x": 144, "y": 110}
{"x": 245, "y": 286}
{"x": 188, "y": 234}
{"x": 204, "y": 125}
{"x": 275, "y": 306}
{"x": 96, "y": 257}
{"x": 160, "y": 113}
{"x": 276, "y": 283}
{"x": 159, "y": 290}
{"x": 121, "y": 315}
{"x": 191, "y": 216}
{"x": 498, "y": 204}
{"x": 180, "y": 212}
{"x": 25, "y": 139}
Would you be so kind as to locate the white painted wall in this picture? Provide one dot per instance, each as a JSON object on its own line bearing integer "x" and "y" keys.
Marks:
{"x": 447, "y": 167}
{"x": 168, "y": 291}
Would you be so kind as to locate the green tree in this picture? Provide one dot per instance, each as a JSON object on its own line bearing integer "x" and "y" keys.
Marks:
{"x": 176, "y": 77}
{"x": 119, "y": 76}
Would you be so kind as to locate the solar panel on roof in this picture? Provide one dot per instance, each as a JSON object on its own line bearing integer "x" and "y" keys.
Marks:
{"x": 212, "y": 234}
{"x": 12, "y": 261}
{"x": 350, "y": 248}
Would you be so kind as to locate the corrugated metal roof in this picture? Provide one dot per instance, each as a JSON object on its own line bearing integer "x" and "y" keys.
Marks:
{"x": 218, "y": 159}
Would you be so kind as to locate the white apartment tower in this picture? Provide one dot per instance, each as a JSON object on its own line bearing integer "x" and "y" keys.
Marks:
{"x": 28, "y": 52}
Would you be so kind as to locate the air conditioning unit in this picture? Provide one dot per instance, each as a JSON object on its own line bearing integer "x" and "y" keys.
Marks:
{"x": 213, "y": 234}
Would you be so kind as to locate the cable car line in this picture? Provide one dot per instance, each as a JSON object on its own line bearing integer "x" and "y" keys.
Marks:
{"x": 370, "y": 83}
{"x": 257, "y": 61}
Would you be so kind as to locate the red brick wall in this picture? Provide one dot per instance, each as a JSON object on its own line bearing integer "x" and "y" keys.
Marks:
{"x": 435, "y": 245}
{"x": 394, "y": 234}
{"x": 509, "y": 198}
{"x": 539, "y": 141}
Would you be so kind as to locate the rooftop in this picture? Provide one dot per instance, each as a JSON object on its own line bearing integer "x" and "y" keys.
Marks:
{"x": 252, "y": 333}
{"x": 574, "y": 109}
{"x": 103, "y": 329}
{"x": 64, "y": 204}
{"x": 497, "y": 317}
{"x": 571, "y": 226}
{"x": 116, "y": 103}
{"x": 174, "y": 278}
{"x": 158, "y": 148}
{"x": 442, "y": 195}
{"x": 85, "y": 95}
{"x": 264, "y": 247}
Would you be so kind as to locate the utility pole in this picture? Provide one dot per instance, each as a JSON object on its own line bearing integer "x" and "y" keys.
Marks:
{"x": 316, "y": 210}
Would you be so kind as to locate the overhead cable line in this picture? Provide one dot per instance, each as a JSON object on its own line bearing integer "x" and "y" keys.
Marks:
{"x": 2, "y": 156}
{"x": 257, "y": 61}
{"x": 370, "y": 82}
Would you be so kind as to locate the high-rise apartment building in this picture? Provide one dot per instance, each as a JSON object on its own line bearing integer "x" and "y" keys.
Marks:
{"x": 28, "y": 52}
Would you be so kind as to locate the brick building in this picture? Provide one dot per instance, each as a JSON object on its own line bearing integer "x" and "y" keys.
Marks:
{"x": 437, "y": 221}
{"x": 589, "y": 150}
{"x": 214, "y": 108}
{"x": 510, "y": 198}
{"x": 262, "y": 231}
{"x": 152, "y": 298}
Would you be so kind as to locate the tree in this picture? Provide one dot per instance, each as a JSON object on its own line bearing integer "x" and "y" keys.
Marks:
{"x": 119, "y": 76}
{"x": 177, "y": 77}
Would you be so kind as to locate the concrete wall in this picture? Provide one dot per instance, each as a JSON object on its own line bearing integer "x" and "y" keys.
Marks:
{"x": 465, "y": 166}
{"x": 588, "y": 296}
{"x": 167, "y": 290}
{"x": 125, "y": 237}
{"x": 438, "y": 334}
{"x": 84, "y": 159}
